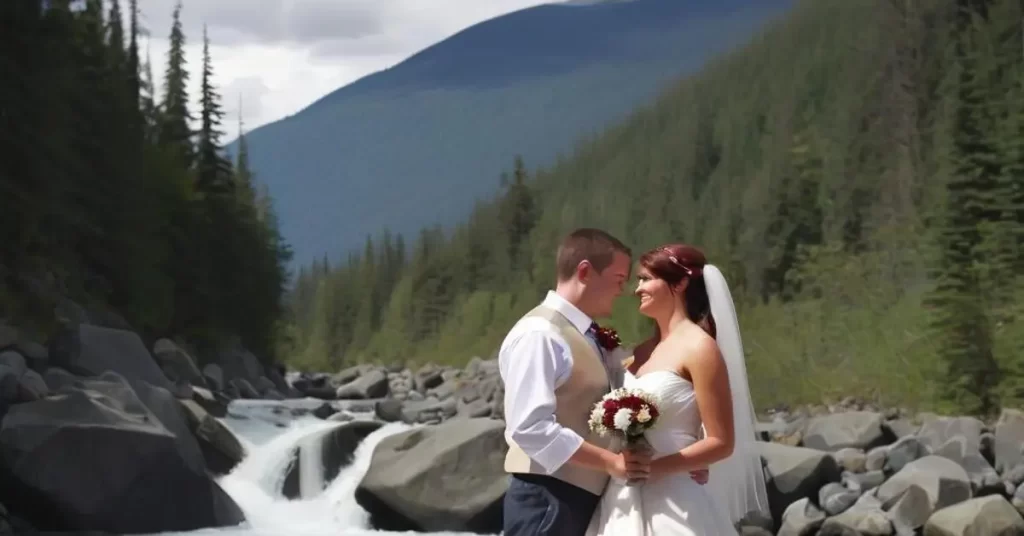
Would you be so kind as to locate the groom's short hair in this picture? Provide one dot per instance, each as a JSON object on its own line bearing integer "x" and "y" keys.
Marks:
{"x": 587, "y": 244}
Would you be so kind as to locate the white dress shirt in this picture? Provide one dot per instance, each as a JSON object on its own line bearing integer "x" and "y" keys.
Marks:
{"x": 534, "y": 360}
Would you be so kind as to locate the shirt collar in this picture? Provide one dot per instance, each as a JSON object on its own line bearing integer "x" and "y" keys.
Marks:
{"x": 578, "y": 318}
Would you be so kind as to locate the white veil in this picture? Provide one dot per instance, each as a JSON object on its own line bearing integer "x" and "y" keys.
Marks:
{"x": 737, "y": 482}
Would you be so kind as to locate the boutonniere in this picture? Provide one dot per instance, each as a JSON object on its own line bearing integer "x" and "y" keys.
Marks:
{"x": 608, "y": 338}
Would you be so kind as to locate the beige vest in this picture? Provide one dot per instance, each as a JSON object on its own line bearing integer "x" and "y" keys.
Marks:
{"x": 574, "y": 401}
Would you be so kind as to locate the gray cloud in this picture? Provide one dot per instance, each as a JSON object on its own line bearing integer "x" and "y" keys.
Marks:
{"x": 327, "y": 28}
{"x": 247, "y": 92}
{"x": 280, "y": 55}
{"x": 268, "y": 22}
{"x": 369, "y": 47}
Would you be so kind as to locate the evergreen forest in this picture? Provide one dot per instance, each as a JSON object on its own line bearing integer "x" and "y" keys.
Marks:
{"x": 118, "y": 196}
{"x": 856, "y": 170}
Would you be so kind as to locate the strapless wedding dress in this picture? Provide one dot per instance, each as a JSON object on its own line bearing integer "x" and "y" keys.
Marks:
{"x": 672, "y": 505}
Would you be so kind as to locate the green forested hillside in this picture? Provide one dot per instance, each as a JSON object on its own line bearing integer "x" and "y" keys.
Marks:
{"x": 110, "y": 196}
{"x": 856, "y": 171}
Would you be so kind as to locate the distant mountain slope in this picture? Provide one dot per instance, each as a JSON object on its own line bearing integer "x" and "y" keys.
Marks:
{"x": 856, "y": 182}
{"x": 420, "y": 142}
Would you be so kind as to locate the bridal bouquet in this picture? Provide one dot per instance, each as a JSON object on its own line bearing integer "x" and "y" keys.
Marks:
{"x": 627, "y": 413}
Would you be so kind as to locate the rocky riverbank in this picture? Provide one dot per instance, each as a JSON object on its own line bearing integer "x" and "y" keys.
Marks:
{"x": 831, "y": 470}
{"x": 93, "y": 419}
{"x": 99, "y": 433}
{"x": 429, "y": 395}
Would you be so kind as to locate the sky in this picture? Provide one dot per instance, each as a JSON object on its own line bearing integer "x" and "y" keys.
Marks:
{"x": 275, "y": 57}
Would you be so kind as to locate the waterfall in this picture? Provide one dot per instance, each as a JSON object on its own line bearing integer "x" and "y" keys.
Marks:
{"x": 325, "y": 509}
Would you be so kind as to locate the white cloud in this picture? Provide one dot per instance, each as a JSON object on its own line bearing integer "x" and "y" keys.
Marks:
{"x": 278, "y": 56}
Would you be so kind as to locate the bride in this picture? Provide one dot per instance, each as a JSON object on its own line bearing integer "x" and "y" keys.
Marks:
{"x": 694, "y": 366}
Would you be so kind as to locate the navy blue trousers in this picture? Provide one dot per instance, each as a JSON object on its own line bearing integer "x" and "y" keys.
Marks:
{"x": 538, "y": 505}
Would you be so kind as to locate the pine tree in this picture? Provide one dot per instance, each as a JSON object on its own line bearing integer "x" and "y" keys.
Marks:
{"x": 243, "y": 173}
{"x": 213, "y": 173}
{"x": 151, "y": 116}
{"x": 798, "y": 219}
{"x": 134, "y": 65}
{"x": 518, "y": 215}
{"x": 962, "y": 320}
{"x": 174, "y": 129}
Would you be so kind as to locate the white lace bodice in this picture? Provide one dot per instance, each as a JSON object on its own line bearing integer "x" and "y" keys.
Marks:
{"x": 679, "y": 423}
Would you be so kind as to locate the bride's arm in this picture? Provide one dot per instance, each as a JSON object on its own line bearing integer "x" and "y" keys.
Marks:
{"x": 710, "y": 379}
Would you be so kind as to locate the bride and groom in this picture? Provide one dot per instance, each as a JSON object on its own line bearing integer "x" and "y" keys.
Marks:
{"x": 556, "y": 363}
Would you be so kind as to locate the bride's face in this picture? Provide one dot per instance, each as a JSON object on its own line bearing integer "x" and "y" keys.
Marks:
{"x": 656, "y": 297}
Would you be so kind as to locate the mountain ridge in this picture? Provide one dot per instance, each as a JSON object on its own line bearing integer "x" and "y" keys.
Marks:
{"x": 421, "y": 142}
{"x": 544, "y": 19}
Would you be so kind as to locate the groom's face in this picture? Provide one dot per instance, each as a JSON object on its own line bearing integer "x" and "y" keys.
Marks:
{"x": 607, "y": 285}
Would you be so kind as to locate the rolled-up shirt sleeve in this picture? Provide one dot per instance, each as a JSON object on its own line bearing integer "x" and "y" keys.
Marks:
{"x": 533, "y": 365}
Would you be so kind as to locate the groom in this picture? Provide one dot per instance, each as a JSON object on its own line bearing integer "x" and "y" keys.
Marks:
{"x": 554, "y": 372}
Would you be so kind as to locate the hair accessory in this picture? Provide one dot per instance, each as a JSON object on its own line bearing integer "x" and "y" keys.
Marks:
{"x": 676, "y": 262}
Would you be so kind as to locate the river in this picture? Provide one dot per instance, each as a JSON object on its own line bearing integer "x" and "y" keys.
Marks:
{"x": 270, "y": 434}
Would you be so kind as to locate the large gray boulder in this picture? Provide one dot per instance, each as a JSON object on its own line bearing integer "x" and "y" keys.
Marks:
{"x": 447, "y": 477}
{"x": 852, "y": 429}
{"x": 96, "y": 457}
{"x": 88, "y": 350}
{"x": 795, "y": 473}
{"x": 221, "y": 450}
{"x": 991, "y": 514}
{"x": 921, "y": 488}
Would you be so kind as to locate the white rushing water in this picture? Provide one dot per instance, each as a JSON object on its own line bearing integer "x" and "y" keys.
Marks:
{"x": 256, "y": 482}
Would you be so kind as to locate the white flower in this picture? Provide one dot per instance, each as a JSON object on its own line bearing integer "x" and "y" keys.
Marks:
{"x": 597, "y": 415}
{"x": 623, "y": 418}
{"x": 644, "y": 414}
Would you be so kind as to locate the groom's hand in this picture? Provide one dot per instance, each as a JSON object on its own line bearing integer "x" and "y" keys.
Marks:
{"x": 638, "y": 464}
{"x": 700, "y": 476}
{"x": 629, "y": 466}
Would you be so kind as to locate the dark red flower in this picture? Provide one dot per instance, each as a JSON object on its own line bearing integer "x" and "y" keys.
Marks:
{"x": 631, "y": 402}
{"x": 610, "y": 408}
{"x": 608, "y": 338}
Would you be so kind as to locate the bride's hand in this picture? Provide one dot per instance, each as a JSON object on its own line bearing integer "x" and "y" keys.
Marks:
{"x": 661, "y": 468}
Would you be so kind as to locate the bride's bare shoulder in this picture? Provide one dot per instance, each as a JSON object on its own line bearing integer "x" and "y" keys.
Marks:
{"x": 692, "y": 345}
{"x": 704, "y": 360}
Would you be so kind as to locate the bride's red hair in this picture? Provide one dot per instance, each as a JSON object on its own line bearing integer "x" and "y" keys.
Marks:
{"x": 675, "y": 263}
